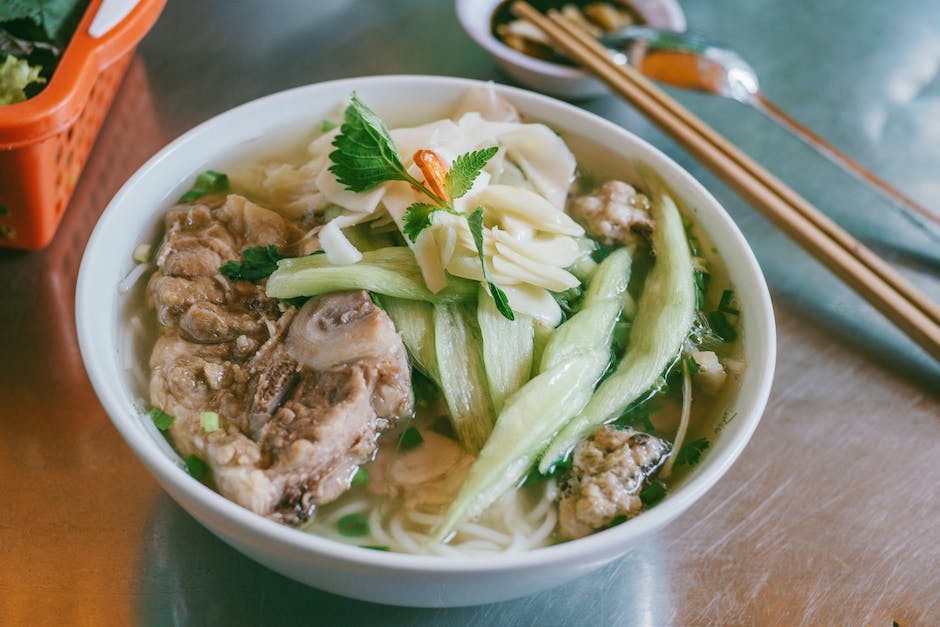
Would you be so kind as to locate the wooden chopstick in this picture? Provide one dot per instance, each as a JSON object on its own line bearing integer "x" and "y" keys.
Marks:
{"x": 876, "y": 281}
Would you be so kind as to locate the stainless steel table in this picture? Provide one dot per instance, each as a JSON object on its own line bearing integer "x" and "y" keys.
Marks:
{"x": 831, "y": 515}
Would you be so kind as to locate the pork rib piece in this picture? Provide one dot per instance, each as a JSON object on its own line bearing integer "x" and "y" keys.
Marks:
{"x": 302, "y": 396}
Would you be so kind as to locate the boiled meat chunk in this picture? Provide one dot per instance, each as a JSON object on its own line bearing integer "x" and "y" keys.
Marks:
{"x": 614, "y": 213}
{"x": 301, "y": 395}
{"x": 608, "y": 471}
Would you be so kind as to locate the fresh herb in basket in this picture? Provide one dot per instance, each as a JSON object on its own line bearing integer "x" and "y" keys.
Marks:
{"x": 33, "y": 36}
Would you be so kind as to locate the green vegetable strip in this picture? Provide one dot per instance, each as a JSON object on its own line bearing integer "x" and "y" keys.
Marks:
{"x": 388, "y": 271}
{"x": 611, "y": 278}
{"x": 507, "y": 349}
{"x": 529, "y": 420}
{"x": 543, "y": 333}
{"x": 593, "y": 326}
{"x": 664, "y": 315}
{"x": 589, "y": 329}
{"x": 463, "y": 377}
{"x": 415, "y": 321}
{"x": 574, "y": 358}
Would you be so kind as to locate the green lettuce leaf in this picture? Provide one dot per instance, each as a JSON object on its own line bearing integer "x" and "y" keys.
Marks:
{"x": 15, "y": 75}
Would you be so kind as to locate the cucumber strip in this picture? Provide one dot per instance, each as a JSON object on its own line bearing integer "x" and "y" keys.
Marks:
{"x": 462, "y": 376}
{"x": 589, "y": 329}
{"x": 391, "y": 271}
{"x": 414, "y": 319}
{"x": 507, "y": 349}
{"x": 542, "y": 334}
{"x": 592, "y": 327}
{"x": 664, "y": 316}
{"x": 531, "y": 417}
{"x": 610, "y": 280}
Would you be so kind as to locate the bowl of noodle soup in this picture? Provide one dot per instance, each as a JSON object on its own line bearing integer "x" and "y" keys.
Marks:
{"x": 512, "y": 548}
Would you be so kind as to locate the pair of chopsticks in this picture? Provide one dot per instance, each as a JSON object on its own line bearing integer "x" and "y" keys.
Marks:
{"x": 870, "y": 276}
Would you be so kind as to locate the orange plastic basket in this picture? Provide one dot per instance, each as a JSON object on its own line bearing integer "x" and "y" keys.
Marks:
{"x": 45, "y": 140}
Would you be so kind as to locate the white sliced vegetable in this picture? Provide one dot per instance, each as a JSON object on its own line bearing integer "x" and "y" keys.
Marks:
{"x": 527, "y": 206}
{"x": 534, "y": 301}
{"x": 337, "y": 247}
{"x": 543, "y": 156}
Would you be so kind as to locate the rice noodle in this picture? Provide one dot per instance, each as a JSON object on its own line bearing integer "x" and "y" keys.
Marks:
{"x": 132, "y": 277}
{"x": 522, "y": 520}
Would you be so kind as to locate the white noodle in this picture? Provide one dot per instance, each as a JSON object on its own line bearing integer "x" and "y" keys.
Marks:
{"x": 683, "y": 421}
{"x": 132, "y": 277}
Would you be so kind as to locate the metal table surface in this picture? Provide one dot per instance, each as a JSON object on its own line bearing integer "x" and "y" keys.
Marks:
{"x": 830, "y": 516}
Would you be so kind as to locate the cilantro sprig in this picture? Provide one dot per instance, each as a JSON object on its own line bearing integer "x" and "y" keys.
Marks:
{"x": 257, "y": 263}
{"x": 366, "y": 156}
{"x": 691, "y": 452}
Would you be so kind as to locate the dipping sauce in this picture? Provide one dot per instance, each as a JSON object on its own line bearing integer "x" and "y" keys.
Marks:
{"x": 598, "y": 18}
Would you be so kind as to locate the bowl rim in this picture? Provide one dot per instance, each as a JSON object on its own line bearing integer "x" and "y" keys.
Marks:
{"x": 468, "y": 16}
{"x": 610, "y": 542}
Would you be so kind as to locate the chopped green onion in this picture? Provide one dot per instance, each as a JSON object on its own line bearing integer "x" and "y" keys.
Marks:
{"x": 353, "y": 525}
{"x": 360, "y": 478}
{"x": 375, "y": 547}
{"x": 725, "y": 305}
{"x": 209, "y": 421}
{"x": 410, "y": 438}
{"x": 720, "y": 325}
{"x": 196, "y": 467}
{"x": 161, "y": 419}
{"x": 209, "y": 182}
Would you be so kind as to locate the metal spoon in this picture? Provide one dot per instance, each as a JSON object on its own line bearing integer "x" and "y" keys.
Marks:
{"x": 690, "y": 61}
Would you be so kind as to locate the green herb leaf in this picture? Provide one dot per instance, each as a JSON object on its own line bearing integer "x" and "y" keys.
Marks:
{"x": 465, "y": 169}
{"x": 375, "y": 547}
{"x": 51, "y": 15}
{"x": 638, "y": 416}
{"x": 410, "y": 438}
{"x": 15, "y": 76}
{"x": 361, "y": 478}
{"x": 257, "y": 263}
{"x": 209, "y": 182}
{"x": 161, "y": 419}
{"x": 557, "y": 470}
{"x": 692, "y": 365}
{"x": 365, "y": 154}
{"x": 353, "y": 525}
{"x": 691, "y": 452}
{"x": 475, "y": 221}
{"x": 196, "y": 467}
{"x": 721, "y": 326}
{"x": 618, "y": 520}
{"x": 328, "y": 125}
{"x": 726, "y": 304}
{"x": 601, "y": 252}
{"x": 653, "y": 493}
{"x": 417, "y": 218}
{"x": 425, "y": 391}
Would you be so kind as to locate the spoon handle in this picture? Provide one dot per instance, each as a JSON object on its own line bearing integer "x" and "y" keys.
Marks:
{"x": 917, "y": 214}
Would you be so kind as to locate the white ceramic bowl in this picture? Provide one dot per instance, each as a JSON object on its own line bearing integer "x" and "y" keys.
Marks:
{"x": 552, "y": 78}
{"x": 134, "y": 215}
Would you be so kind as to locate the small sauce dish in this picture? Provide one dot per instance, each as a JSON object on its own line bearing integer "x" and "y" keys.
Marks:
{"x": 476, "y": 17}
